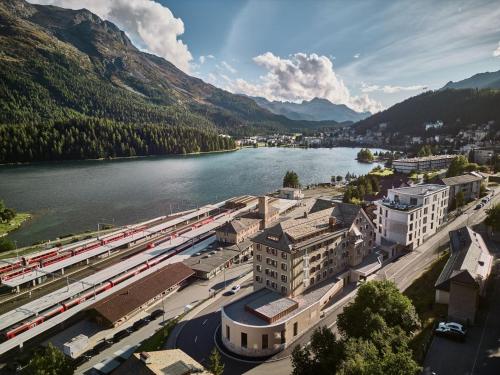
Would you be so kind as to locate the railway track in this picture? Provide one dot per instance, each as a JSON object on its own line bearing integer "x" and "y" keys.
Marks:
{"x": 10, "y": 301}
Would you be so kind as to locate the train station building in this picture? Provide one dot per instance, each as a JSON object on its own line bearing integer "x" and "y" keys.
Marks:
{"x": 119, "y": 307}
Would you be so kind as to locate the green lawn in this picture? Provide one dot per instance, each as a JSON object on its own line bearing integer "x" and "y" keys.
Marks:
{"x": 157, "y": 341}
{"x": 14, "y": 223}
{"x": 382, "y": 173}
{"x": 422, "y": 293}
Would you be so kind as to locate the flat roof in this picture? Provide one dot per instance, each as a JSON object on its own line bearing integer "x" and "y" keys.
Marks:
{"x": 425, "y": 158}
{"x": 207, "y": 262}
{"x": 238, "y": 312}
{"x": 269, "y": 303}
{"x": 124, "y": 301}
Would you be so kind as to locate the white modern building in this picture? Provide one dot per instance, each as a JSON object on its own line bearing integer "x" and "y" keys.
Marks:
{"x": 425, "y": 163}
{"x": 408, "y": 215}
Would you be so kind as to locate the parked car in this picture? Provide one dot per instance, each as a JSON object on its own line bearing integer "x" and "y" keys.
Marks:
{"x": 157, "y": 313}
{"x": 85, "y": 357}
{"x": 101, "y": 346}
{"x": 120, "y": 335}
{"x": 451, "y": 330}
{"x": 235, "y": 289}
{"x": 139, "y": 324}
{"x": 478, "y": 206}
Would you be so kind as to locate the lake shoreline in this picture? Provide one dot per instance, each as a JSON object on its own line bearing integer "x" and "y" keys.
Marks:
{"x": 121, "y": 157}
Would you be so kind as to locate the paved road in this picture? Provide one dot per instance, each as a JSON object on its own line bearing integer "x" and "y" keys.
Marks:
{"x": 173, "y": 306}
{"x": 403, "y": 272}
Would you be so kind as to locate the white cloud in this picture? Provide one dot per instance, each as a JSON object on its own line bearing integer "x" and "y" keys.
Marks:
{"x": 356, "y": 56}
{"x": 228, "y": 67}
{"x": 496, "y": 52}
{"x": 202, "y": 59}
{"x": 146, "y": 22}
{"x": 388, "y": 89}
{"x": 301, "y": 77}
{"x": 210, "y": 57}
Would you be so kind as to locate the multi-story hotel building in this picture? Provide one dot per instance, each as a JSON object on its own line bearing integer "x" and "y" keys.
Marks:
{"x": 299, "y": 265}
{"x": 408, "y": 215}
{"x": 426, "y": 163}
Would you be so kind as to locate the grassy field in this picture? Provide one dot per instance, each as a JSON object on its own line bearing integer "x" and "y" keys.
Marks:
{"x": 157, "y": 341}
{"x": 422, "y": 293}
{"x": 382, "y": 172}
{"x": 14, "y": 223}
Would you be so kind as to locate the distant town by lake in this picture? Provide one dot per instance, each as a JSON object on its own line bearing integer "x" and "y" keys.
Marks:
{"x": 71, "y": 197}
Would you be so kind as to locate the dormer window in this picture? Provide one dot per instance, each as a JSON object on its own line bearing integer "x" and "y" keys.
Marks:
{"x": 273, "y": 238}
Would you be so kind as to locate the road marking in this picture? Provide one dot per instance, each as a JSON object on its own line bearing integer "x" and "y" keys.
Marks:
{"x": 204, "y": 322}
{"x": 195, "y": 339}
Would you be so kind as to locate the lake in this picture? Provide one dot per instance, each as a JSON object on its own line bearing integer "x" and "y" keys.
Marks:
{"x": 70, "y": 197}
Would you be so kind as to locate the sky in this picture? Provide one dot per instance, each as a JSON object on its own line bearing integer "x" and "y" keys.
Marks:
{"x": 368, "y": 55}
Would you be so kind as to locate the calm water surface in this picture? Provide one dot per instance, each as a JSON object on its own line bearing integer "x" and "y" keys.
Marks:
{"x": 71, "y": 197}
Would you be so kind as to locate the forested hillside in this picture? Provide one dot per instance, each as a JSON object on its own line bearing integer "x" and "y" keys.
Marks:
{"x": 456, "y": 108}
{"x": 92, "y": 138}
{"x": 59, "y": 65}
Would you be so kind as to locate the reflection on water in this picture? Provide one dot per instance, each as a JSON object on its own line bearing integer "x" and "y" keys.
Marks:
{"x": 70, "y": 197}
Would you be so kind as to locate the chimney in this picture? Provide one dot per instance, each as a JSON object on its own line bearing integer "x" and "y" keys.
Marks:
{"x": 263, "y": 207}
{"x": 145, "y": 357}
{"x": 332, "y": 220}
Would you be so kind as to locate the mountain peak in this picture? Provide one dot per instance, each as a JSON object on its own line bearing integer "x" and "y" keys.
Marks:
{"x": 486, "y": 80}
{"x": 316, "y": 109}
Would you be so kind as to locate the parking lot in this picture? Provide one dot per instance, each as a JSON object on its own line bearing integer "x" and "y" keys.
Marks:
{"x": 480, "y": 353}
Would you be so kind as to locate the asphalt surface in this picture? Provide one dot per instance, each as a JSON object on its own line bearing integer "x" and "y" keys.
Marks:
{"x": 197, "y": 335}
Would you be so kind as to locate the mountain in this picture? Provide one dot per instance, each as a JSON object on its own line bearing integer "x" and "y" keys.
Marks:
{"x": 488, "y": 80}
{"x": 456, "y": 108}
{"x": 316, "y": 109}
{"x": 74, "y": 86}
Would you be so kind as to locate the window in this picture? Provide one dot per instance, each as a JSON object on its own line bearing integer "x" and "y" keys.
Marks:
{"x": 228, "y": 333}
{"x": 295, "y": 328}
{"x": 284, "y": 290}
{"x": 259, "y": 257}
{"x": 413, "y": 201}
{"x": 244, "y": 340}
{"x": 284, "y": 278}
{"x": 283, "y": 255}
{"x": 259, "y": 268}
{"x": 424, "y": 229}
{"x": 283, "y": 337}
{"x": 411, "y": 217}
{"x": 411, "y": 227}
{"x": 265, "y": 341}
{"x": 283, "y": 266}
{"x": 425, "y": 211}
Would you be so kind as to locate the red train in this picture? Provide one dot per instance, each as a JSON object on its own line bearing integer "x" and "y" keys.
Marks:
{"x": 111, "y": 283}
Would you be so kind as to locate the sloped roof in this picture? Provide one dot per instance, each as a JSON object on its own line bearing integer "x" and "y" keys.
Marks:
{"x": 238, "y": 225}
{"x": 119, "y": 304}
{"x": 469, "y": 259}
{"x": 287, "y": 232}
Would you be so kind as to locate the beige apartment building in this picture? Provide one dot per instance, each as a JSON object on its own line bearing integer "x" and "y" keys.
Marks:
{"x": 300, "y": 263}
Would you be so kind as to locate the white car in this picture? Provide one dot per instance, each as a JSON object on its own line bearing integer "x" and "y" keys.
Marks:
{"x": 235, "y": 289}
{"x": 454, "y": 325}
